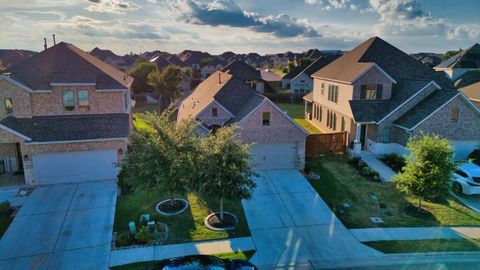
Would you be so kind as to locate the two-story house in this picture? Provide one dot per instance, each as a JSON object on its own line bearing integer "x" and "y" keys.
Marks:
{"x": 223, "y": 99}
{"x": 247, "y": 74}
{"x": 382, "y": 96}
{"x": 64, "y": 117}
{"x": 303, "y": 81}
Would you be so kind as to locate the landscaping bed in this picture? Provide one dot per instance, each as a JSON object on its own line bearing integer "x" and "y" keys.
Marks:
{"x": 355, "y": 199}
{"x": 434, "y": 245}
{"x": 187, "y": 226}
{"x": 245, "y": 255}
{"x": 5, "y": 220}
{"x": 297, "y": 112}
{"x": 394, "y": 161}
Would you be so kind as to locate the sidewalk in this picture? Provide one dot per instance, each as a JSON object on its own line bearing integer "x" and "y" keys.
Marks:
{"x": 386, "y": 174}
{"x": 415, "y": 233}
{"x": 156, "y": 253}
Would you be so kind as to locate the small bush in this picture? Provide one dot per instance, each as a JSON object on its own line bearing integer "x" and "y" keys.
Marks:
{"x": 375, "y": 175}
{"x": 366, "y": 171}
{"x": 5, "y": 207}
{"x": 354, "y": 160}
{"x": 123, "y": 239}
{"x": 362, "y": 164}
{"x": 394, "y": 161}
{"x": 125, "y": 187}
{"x": 143, "y": 235}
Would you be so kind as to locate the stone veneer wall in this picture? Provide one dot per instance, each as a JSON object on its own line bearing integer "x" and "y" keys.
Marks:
{"x": 20, "y": 98}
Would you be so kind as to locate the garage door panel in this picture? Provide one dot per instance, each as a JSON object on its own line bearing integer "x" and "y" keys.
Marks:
{"x": 75, "y": 166}
{"x": 274, "y": 156}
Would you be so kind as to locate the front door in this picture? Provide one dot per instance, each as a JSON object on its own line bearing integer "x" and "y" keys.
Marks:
{"x": 363, "y": 133}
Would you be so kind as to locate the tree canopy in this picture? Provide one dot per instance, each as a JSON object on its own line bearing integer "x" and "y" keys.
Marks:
{"x": 428, "y": 168}
{"x": 167, "y": 83}
{"x": 140, "y": 73}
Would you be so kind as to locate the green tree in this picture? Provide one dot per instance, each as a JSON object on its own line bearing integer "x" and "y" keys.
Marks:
{"x": 167, "y": 83}
{"x": 206, "y": 61}
{"x": 428, "y": 169}
{"x": 290, "y": 66}
{"x": 140, "y": 73}
{"x": 224, "y": 169}
{"x": 306, "y": 61}
{"x": 449, "y": 54}
{"x": 162, "y": 155}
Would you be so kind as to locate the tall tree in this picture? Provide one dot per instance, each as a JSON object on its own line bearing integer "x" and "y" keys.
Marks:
{"x": 449, "y": 54}
{"x": 428, "y": 169}
{"x": 140, "y": 73}
{"x": 224, "y": 169}
{"x": 167, "y": 83}
{"x": 306, "y": 61}
{"x": 162, "y": 155}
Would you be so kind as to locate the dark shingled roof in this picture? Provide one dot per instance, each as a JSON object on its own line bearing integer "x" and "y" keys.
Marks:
{"x": 70, "y": 128}
{"x": 242, "y": 70}
{"x": 423, "y": 109}
{"x": 294, "y": 72}
{"x": 318, "y": 64}
{"x": 469, "y": 58}
{"x": 65, "y": 63}
{"x": 469, "y": 84}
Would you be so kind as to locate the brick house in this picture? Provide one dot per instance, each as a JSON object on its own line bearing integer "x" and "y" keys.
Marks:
{"x": 303, "y": 81}
{"x": 223, "y": 98}
{"x": 64, "y": 117}
{"x": 382, "y": 96}
{"x": 247, "y": 73}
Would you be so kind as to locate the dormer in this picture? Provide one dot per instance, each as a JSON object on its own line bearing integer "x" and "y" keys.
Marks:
{"x": 373, "y": 84}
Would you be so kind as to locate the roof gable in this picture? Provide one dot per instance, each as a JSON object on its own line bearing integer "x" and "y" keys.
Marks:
{"x": 242, "y": 70}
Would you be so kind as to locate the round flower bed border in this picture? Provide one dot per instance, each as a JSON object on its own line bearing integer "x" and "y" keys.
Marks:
{"x": 157, "y": 207}
{"x": 209, "y": 226}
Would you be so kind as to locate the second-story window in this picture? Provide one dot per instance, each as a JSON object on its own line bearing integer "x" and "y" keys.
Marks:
{"x": 214, "y": 112}
{"x": 322, "y": 88}
{"x": 454, "y": 114}
{"x": 371, "y": 91}
{"x": 8, "y": 106}
{"x": 68, "y": 100}
{"x": 266, "y": 118}
{"x": 333, "y": 93}
{"x": 83, "y": 99}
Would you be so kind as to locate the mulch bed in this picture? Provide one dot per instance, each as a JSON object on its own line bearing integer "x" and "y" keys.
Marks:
{"x": 168, "y": 207}
{"x": 414, "y": 211}
{"x": 227, "y": 222}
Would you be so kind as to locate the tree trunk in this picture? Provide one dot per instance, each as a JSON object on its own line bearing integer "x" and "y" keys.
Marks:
{"x": 221, "y": 209}
{"x": 419, "y": 203}
{"x": 172, "y": 199}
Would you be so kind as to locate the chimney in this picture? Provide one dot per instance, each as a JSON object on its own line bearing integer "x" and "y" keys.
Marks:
{"x": 45, "y": 43}
{"x": 54, "y": 42}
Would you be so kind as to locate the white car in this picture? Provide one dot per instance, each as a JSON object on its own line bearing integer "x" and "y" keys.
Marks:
{"x": 466, "y": 179}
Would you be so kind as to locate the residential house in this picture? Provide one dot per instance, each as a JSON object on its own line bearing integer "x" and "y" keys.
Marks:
{"x": 9, "y": 58}
{"x": 292, "y": 74}
{"x": 110, "y": 58}
{"x": 224, "y": 98}
{"x": 64, "y": 117}
{"x": 247, "y": 73}
{"x": 209, "y": 68}
{"x": 381, "y": 96}
{"x": 303, "y": 82}
{"x": 272, "y": 79}
{"x": 464, "y": 69}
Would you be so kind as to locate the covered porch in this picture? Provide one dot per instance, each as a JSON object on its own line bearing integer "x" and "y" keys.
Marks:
{"x": 11, "y": 161}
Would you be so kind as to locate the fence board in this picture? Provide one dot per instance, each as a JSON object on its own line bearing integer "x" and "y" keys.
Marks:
{"x": 320, "y": 144}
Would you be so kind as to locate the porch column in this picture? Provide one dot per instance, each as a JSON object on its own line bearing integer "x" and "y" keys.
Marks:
{"x": 357, "y": 144}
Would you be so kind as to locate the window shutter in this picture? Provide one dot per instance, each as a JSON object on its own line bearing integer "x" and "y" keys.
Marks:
{"x": 320, "y": 114}
{"x": 363, "y": 91}
{"x": 379, "y": 91}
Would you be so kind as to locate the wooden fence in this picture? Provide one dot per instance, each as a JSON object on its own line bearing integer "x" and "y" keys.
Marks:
{"x": 320, "y": 144}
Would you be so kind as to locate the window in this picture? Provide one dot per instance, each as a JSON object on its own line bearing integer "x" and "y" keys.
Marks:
{"x": 328, "y": 118}
{"x": 371, "y": 91}
{"x": 334, "y": 124}
{"x": 386, "y": 135}
{"x": 8, "y": 105}
{"x": 333, "y": 93}
{"x": 322, "y": 88}
{"x": 461, "y": 173}
{"x": 214, "y": 112}
{"x": 343, "y": 124}
{"x": 320, "y": 114}
{"x": 68, "y": 100}
{"x": 83, "y": 99}
{"x": 454, "y": 114}
{"x": 266, "y": 119}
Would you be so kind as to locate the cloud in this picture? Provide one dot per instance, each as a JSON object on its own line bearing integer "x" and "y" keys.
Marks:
{"x": 405, "y": 18}
{"x": 228, "y": 13}
{"x": 464, "y": 32}
{"x": 111, "y": 6}
{"x": 336, "y": 4}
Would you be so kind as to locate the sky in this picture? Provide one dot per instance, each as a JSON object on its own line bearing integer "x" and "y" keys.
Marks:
{"x": 242, "y": 26}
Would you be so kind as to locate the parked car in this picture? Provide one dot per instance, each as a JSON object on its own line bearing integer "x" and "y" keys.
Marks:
{"x": 202, "y": 262}
{"x": 466, "y": 179}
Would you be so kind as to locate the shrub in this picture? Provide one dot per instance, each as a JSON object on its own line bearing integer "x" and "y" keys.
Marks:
{"x": 123, "y": 239}
{"x": 362, "y": 164}
{"x": 366, "y": 171}
{"x": 124, "y": 186}
{"x": 375, "y": 175}
{"x": 5, "y": 207}
{"x": 143, "y": 235}
{"x": 354, "y": 160}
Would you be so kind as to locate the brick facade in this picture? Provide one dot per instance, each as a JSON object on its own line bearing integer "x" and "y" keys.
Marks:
{"x": 20, "y": 98}
{"x": 373, "y": 76}
{"x": 207, "y": 118}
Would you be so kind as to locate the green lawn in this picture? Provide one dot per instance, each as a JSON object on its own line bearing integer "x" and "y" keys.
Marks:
{"x": 185, "y": 227}
{"x": 233, "y": 256}
{"x": 5, "y": 221}
{"x": 340, "y": 183}
{"x": 296, "y": 111}
{"x": 435, "y": 245}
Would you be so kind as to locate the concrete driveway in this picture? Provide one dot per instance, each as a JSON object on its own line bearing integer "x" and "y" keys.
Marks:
{"x": 62, "y": 227}
{"x": 291, "y": 224}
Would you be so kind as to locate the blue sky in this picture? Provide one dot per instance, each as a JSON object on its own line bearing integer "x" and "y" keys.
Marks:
{"x": 265, "y": 26}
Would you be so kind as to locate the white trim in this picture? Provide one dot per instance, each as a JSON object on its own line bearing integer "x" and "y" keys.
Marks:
{"x": 78, "y": 141}
{"x": 476, "y": 108}
{"x": 409, "y": 99}
{"x": 17, "y": 84}
{"x": 331, "y": 80}
{"x": 110, "y": 90}
{"x": 404, "y": 128}
{"x": 9, "y": 130}
{"x": 434, "y": 112}
{"x": 379, "y": 68}
{"x": 474, "y": 99}
{"x": 73, "y": 84}
{"x": 219, "y": 105}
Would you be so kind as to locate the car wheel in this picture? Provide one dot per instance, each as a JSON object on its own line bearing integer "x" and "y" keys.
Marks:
{"x": 457, "y": 188}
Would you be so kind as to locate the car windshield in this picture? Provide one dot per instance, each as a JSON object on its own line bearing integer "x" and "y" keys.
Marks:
{"x": 200, "y": 263}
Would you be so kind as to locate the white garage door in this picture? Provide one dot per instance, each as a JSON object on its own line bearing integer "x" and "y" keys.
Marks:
{"x": 274, "y": 156}
{"x": 74, "y": 167}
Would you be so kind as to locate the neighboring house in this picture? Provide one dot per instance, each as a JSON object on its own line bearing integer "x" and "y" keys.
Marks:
{"x": 464, "y": 69}
{"x": 209, "y": 69}
{"x": 223, "y": 99}
{"x": 110, "y": 58}
{"x": 271, "y": 78}
{"x": 247, "y": 73}
{"x": 290, "y": 75}
{"x": 9, "y": 58}
{"x": 459, "y": 64}
{"x": 382, "y": 96}
{"x": 64, "y": 117}
{"x": 303, "y": 82}
{"x": 429, "y": 59}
